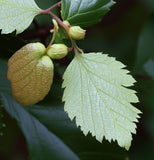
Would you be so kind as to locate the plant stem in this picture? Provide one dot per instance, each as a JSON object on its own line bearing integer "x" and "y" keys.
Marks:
{"x": 53, "y": 38}
{"x": 78, "y": 49}
{"x": 60, "y": 22}
{"x": 52, "y": 7}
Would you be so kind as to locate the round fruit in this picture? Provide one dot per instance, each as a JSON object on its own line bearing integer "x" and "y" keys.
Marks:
{"x": 57, "y": 51}
{"x": 77, "y": 32}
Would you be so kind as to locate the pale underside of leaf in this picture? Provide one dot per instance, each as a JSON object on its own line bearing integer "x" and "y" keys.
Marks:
{"x": 99, "y": 98}
{"x": 17, "y": 15}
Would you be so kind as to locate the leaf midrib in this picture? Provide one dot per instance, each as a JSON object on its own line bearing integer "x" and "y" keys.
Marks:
{"x": 109, "y": 109}
{"x": 102, "y": 90}
{"x": 82, "y": 13}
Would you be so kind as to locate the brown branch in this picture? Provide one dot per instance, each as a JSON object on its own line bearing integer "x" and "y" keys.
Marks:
{"x": 144, "y": 77}
{"x": 52, "y": 7}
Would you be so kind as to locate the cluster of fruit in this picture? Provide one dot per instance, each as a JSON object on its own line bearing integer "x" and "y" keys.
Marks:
{"x": 58, "y": 51}
{"x": 31, "y": 70}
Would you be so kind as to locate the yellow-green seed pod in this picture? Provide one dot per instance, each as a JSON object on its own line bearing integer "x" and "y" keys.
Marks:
{"x": 30, "y": 73}
{"x": 77, "y": 32}
{"x": 57, "y": 51}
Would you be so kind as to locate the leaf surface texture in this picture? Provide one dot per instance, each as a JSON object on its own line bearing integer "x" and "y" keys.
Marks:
{"x": 99, "y": 99}
{"x": 17, "y": 15}
{"x": 85, "y": 12}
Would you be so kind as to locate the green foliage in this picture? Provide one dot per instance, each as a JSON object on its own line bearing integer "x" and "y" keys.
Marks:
{"x": 42, "y": 143}
{"x": 40, "y": 123}
{"x": 149, "y": 68}
{"x": 96, "y": 95}
{"x": 39, "y": 147}
{"x": 99, "y": 101}
{"x": 3, "y": 88}
{"x": 17, "y": 15}
{"x": 149, "y": 4}
{"x": 55, "y": 119}
{"x": 145, "y": 52}
{"x": 1, "y": 116}
{"x": 85, "y": 12}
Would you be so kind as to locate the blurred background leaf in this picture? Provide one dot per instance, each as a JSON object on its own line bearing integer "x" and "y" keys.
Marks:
{"x": 145, "y": 50}
{"x": 40, "y": 124}
{"x": 148, "y": 67}
{"x": 42, "y": 143}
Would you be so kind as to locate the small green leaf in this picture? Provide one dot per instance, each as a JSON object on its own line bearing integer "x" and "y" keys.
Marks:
{"x": 99, "y": 98}
{"x": 85, "y": 12}
{"x": 30, "y": 73}
{"x": 17, "y": 15}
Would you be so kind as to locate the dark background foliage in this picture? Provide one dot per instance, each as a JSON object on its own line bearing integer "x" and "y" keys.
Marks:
{"x": 127, "y": 33}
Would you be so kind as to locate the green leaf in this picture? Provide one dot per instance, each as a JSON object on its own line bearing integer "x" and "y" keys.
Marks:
{"x": 85, "y": 12}
{"x": 99, "y": 98}
{"x": 17, "y": 15}
{"x": 1, "y": 115}
{"x": 42, "y": 143}
{"x": 55, "y": 119}
{"x": 148, "y": 4}
{"x": 145, "y": 50}
{"x": 149, "y": 66}
{"x": 3, "y": 88}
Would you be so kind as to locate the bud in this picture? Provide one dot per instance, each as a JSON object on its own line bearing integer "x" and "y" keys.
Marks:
{"x": 67, "y": 23}
{"x": 34, "y": 49}
{"x": 77, "y": 32}
{"x": 57, "y": 51}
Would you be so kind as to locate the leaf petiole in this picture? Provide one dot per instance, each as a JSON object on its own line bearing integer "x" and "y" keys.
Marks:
{"x": 53, "y": 38}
